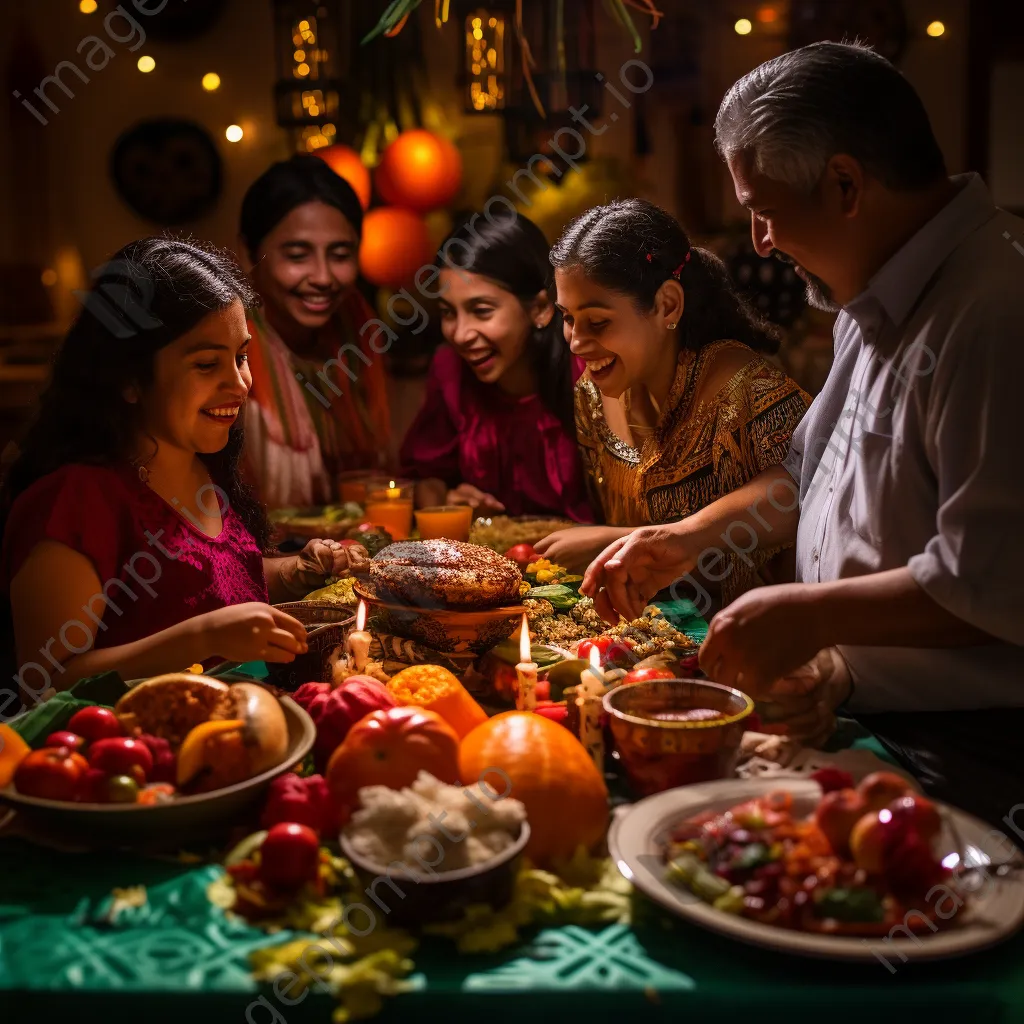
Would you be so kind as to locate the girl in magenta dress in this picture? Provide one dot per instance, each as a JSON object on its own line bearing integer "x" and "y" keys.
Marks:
{"x": 129, "y": 541}
{"x": 496, "y": 429}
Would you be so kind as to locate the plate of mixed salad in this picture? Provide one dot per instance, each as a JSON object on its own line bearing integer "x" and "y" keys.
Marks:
{"x": 873, "y": 871}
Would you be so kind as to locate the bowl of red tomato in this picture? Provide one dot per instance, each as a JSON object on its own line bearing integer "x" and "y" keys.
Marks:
{"x": 99, "y": 781}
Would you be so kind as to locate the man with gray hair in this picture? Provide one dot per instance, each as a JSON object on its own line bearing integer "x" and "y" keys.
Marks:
{"x": 904, "y": 482}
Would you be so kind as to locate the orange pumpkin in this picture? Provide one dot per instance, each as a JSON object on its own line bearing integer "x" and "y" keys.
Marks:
{"x": 390, "y": 748}
{"x": 550, "y": 772}
{"x": 435, "y": 688}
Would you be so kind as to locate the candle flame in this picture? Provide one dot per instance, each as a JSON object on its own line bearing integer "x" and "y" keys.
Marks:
{"x": 361, "y": 616}
{"x": 595, "y": 658}
{"x": 391, "y": 484}
{"x": 524, "y": 642}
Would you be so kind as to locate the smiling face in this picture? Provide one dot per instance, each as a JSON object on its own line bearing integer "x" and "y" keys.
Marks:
{"x": 487, "y": 325}
{"x": 199, "y": 384}
{"x": 809, "y": 231}
{"x": 621, "y": 346}
{"x": 304, "y": 267}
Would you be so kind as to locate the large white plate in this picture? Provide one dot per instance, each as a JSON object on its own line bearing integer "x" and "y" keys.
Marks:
{"x": 992, "y": 913}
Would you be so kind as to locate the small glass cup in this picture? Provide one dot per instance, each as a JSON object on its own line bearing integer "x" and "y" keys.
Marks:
{"x": 448, "y": 522}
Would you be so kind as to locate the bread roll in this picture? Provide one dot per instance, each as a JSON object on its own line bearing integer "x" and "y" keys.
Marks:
{"x": 445, "y": 574}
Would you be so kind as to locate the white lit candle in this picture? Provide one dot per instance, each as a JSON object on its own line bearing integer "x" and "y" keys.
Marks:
{"x": 359, "y": 640}
{"x": 526, "y": 672}
{"x": 588, "y": 701}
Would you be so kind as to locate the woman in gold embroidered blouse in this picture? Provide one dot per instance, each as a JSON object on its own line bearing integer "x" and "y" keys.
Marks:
{"x": 678, "y": 405}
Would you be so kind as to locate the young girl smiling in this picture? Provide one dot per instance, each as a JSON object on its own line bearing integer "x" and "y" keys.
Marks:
{"x": 129, "y": 540}
{"x": 496, "y": 429}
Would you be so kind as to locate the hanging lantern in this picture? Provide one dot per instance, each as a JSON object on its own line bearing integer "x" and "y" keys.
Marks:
{"x": 555, "y": 69}
{"x": 308, "y": 60}
{"x": 486, "y": 55}
{"x": 346, "y": 164}
{"x": 420, "y": 171}
{"x": 395, "y": 244}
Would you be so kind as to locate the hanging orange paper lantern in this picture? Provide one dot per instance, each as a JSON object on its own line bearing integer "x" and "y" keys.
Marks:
{"x": 419, "y": 170}
{"x": 395, "y": 244}
{"x": 346, "y": 164}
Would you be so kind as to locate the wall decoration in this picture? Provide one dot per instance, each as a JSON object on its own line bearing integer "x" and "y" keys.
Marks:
{"x": 308, "y": 42}
{"x": 770, "y": 285}
{"x": 484, "y": 61}
{"x": 167, "y": 171}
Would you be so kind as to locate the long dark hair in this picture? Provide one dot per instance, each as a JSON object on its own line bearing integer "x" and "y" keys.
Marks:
{"x": 512, "y": 250}
{"x": 149, "y": 294}
{"x": 632, "y": 247}
{"x": 290, "y": 183}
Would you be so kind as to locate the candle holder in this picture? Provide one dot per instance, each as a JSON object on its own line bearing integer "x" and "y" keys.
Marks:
{"x": 392, "y": 508}
{"x": 444, "y": 522}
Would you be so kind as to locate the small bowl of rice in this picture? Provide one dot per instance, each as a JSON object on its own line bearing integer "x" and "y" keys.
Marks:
{"x": 427, "y": 852}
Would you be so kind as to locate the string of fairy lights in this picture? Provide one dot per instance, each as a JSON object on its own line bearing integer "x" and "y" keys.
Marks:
{"x": 485, "y": 45}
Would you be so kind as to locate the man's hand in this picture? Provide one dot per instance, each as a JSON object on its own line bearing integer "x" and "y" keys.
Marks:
{"x": 624, "y": 577}
{"x": 759, "y": 641}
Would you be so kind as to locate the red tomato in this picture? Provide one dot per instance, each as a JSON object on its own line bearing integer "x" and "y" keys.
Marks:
{"x": 522, "y": 555}
{"x": 289, "y": 856}
{"x": 53, "y": 773}
{"x": 120, "y": 755}
{"x": 611, "y": 648}
{"x": 64, "y": 739}
{"x": 641, "y": 675}
{"x": 93, "y": 788}
{"x": 95, "y": 723}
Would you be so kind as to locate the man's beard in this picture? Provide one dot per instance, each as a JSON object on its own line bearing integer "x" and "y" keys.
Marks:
{"x": 817, "y": 293}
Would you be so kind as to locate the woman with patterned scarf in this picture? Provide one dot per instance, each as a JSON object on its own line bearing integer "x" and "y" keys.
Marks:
{"x": 318, "y": 404}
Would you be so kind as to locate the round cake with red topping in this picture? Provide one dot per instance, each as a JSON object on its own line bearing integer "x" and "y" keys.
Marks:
{"x": 444, "y": 574}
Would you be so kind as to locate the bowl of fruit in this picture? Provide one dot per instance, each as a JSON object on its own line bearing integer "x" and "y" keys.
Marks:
{"x": 179, "y": 757}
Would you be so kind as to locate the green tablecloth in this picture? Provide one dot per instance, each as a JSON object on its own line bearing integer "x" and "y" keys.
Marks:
{"x": 179, "y": 958}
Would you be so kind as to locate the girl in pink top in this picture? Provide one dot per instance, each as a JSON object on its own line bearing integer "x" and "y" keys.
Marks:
{"x": 496, "y": 430}
{"x": 129, "y": 540}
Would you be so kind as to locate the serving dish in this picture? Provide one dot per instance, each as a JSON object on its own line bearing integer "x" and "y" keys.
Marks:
{"x": 444, "y": 630}
{"x": 660, "y": 753}
{"x": 171, "y": 824}
{"x": 444, "y": 895}
{"x": 995, "y": 911}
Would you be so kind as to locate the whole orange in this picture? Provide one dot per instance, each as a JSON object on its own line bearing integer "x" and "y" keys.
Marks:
{"x": 345, "y": 162}
{"x": 390, "y": 748}
{"x": 420, "y": 171}
{"x": 395, "y": 244}
{"x": 546, "y": 768}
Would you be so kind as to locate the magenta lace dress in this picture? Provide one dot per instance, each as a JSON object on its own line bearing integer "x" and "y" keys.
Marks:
{"x": 156, "y": 568}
